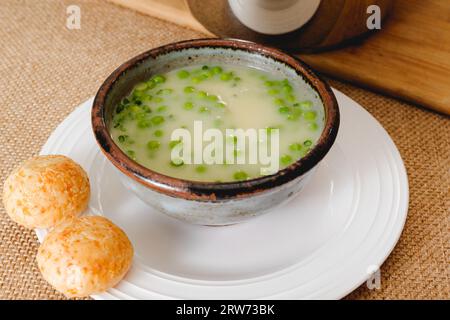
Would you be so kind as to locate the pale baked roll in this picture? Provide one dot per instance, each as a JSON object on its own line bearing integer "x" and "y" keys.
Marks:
{"x": 85, "y": 256}
{"x": 46, "y": 190}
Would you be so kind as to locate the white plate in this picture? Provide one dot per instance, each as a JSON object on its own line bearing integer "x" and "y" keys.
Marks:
{"x": 318, "y": 246}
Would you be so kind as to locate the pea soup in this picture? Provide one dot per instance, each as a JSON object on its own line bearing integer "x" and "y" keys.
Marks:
{"x": 220, "y": 97}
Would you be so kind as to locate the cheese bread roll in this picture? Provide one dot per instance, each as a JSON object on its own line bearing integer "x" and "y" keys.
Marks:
{"x": 45, "y": 191}
{"x": 85, "y": 256}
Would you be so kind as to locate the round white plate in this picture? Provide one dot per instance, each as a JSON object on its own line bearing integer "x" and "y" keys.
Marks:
{"x": 321, "y": 245}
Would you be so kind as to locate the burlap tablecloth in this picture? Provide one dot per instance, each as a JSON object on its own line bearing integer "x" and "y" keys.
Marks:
{"x": 46, "y": 70}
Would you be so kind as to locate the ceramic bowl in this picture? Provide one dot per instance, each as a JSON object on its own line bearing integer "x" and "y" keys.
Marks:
{"x": 202, "y": 202}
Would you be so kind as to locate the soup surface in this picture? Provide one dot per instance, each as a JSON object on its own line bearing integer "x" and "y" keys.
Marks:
{"x": 220, "y": 97}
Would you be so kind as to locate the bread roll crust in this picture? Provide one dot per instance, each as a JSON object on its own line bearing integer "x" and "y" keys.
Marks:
{"x": 45, "y": 191}
{"x": 85, "y": 256}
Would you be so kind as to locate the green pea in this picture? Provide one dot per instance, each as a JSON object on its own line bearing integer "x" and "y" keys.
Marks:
{"x": 140, "y": 116}
{"x": 146, "y": 109}
{"x": 212, "y": 97}
{"x": 144, "y": 123}
{"x": 183, "y": 74}
{"x": 279, "y": 102}
{"x": 200, "y": 169}
{"x": 137, "y": 96}
{"x": 189, "y": 89}
{"x": 217, "y": 70}
{"x": 188, "y": 105}
{"x": 158, "y": 133}
{"x": 119, "y": 125}
{"x": 206, "y": 74}
{"x": 291, "y": 117}
{"x": 273, "y": 92}
{"x": 306, "y": 105}
{"x": 134, "y": 108}
{"x": 197, "y": 80}
{"x": 158, "y": 79}
{"x": 177, "y": 162}
{"x": 295, "y": 147}
{"x": 161, "y": 108}
{"x": 137, "y": 101}
{"x": 286, "y": 159}
{"x": 211, "y": 73}
{"x": 226, "y": 76}
{"x": 295, "y": 114}
{"x": 240, "y": 175}
{"x": 150, "y": 84}
{"x": 157, "y": 120}
{"x": 131, "y": 154}
{"x": 307, "y": 143}
{"x": 230, "y": 139}
{"x": 202, "y": 94}
{"x": 120, "y": 108}
{"x": 173, "y": 143}
{"x": 234, "y": 139}
{"x": 310, "y": 115}
{"x": 153, "y": 145}
{"x": 147, "y": 98}
{"x": 287, "y": 88}
{"x": 164, "y": 91}
{"x": 141, "y": 86}
{"x": 118, "y": 119}
{"x": 205, "y": 67}
{"x": 313, "y": 126}
{"x": 283, "y": 110}
{"x": 204, "y": 109}
{"x": 291, "y": 98}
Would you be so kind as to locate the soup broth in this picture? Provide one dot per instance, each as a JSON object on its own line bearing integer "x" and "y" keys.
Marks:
{"x": 221, "y": 97}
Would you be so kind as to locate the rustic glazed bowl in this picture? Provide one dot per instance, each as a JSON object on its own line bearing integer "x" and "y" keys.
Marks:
{"x": 202, "y": 202}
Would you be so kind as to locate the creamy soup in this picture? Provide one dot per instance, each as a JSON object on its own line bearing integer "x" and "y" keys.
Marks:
{"x": 220, "y": 97}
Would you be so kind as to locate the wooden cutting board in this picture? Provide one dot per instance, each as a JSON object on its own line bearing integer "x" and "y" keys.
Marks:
{"x": 409, "y": 58}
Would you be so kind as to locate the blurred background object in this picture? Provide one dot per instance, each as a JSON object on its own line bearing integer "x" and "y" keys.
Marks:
{"x": 320, "y": 24}
{"x": 408, "y": 58}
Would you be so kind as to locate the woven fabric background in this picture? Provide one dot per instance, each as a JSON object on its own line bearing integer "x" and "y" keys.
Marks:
{"x": 46, "y": 70}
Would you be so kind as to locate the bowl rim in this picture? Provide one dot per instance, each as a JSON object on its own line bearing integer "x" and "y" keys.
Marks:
{"x": 216, "y": 191}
